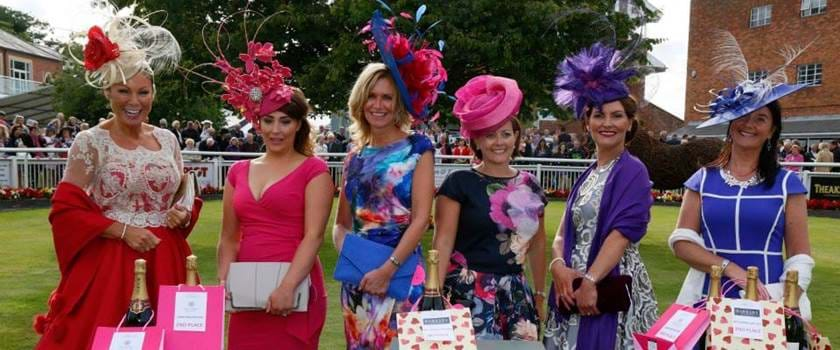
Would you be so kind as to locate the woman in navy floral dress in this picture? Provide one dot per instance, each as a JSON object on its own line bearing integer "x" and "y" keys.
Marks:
{"x": 489, "y": 219}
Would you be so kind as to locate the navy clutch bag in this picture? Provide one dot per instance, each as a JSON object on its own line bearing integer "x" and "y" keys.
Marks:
{"x": 359, "y": 256}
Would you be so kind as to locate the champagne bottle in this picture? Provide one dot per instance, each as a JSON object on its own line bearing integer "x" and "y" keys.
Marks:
{"x": 751, "y": 293}
{"x": 192, "y": 270}
{"x": 432, "y": 299}
{"x": 714, "y": 292}
{"x": 794, "y": 327}
{"x": 140, "y": 310}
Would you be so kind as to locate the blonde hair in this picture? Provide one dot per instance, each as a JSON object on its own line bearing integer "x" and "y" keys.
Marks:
{"x": 360, "y": 129}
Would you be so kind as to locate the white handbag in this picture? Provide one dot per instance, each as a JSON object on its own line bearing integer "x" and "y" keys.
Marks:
{"x": 251, "y": 283}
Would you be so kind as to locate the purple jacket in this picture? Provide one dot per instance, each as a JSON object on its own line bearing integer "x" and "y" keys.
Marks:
{"x": 625, "y": 207}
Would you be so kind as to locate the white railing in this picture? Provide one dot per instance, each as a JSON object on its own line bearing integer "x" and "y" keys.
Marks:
{"x": 12, "y": 86}
{"x": 19, "y": 168}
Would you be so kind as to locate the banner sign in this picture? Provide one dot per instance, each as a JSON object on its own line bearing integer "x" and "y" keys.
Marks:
{"x": 825, "y": 187}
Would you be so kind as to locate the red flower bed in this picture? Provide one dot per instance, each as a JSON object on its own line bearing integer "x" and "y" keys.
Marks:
{"x": 7, "y": 193}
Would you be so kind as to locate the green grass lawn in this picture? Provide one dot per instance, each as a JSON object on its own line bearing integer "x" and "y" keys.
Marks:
{"x": 28, "y": 269}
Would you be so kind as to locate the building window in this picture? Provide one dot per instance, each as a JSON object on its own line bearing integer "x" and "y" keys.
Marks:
{"x": 20, "y": 69}
{"x": 760, "y": 16}
{"x": 813, "y": 7}
{"x": 758, "y": 75}
{"x": 809, "y": 74}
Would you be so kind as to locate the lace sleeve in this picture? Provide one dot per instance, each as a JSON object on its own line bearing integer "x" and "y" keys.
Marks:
{"x": 179, "y": 161}
{"x": 82, "y": 160}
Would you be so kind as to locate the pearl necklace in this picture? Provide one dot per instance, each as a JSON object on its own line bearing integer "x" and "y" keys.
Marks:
{"x": 731, "y": 180}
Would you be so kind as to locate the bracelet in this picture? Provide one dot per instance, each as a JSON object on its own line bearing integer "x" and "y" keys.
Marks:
{"x": 554, "y": 261}
{"x": 394, "y": 261}
{"x": 589, "y": 277}
{"x": 540, "y": 293}
{"x": 723, "y": 265}
{"x": 125, "y": 227}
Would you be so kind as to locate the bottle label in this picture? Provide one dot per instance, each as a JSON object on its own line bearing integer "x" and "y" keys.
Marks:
{"x": 746, "y": 319}
{"x": 127, "y": 341}
{"x": 190, "y": 311}
{"x": 437, "y": 325}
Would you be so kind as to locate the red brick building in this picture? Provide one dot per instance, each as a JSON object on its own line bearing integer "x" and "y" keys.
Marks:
{"x": 762, "y": 28}
{"x": 25, "y": 69}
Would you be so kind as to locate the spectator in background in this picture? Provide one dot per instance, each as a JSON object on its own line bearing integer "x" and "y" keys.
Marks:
{"x": 50, "y": 137}
{"x": 824, "y": 156}
{"x": 64, "y": 138}
{"x": 663, "y": 136}
{"x": 4, "y": 135}
{"x": 320, "y": 145}
{"x": 208, "y": 145}
{"x": 3, "y": 121}
{"x": 577, "y": 151}
{"x": 811, "y": 155}
{"x": 563, "y": 136}
{"x": 233, "y": 146}
{"x": 673, "y": 140}
{"x": 84, "y": 126}
{"x": 189, "y": 145}
{"x": 208, "y": 133}
{"x": 341, "y": 136}
{"x": 19, "y": 137}
{"x": 206, "y": 126}
{"x": 794, "y": 155}
{"x": 783, "y": 152}
{"x": 684, "y": 139}
{"x": 37, "y": 139}
{"x": 543, "y": 149}
{"x": 191, "y": 132}
{"x": 236, "y": 131}
{"x": 333, "y": 145}
{"x": 163, "y": 124}
{"x": 250, "y": 144}
{"x": 176, "y": 130}
{"x": 74, "y": 124}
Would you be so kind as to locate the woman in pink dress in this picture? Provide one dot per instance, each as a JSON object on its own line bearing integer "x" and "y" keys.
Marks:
{"x": 275, "y": 210}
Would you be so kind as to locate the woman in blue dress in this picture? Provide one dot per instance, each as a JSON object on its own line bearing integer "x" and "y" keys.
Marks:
{"x": 744, "y": 209}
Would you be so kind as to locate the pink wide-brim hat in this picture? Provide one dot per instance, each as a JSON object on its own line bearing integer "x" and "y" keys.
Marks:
{"x": 485, "y": 103}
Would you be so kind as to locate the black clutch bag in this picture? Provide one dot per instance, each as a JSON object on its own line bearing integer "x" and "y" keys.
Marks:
{"x": 613, "y": 295}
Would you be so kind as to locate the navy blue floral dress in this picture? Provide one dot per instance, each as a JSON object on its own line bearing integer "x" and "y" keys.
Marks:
{"x": 497, "y": 220}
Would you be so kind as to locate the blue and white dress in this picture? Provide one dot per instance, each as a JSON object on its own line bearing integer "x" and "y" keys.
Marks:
{"x": 745, "y": 224}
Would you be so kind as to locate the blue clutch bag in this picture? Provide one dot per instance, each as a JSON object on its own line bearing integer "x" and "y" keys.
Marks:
{"x": 360, "y": 256}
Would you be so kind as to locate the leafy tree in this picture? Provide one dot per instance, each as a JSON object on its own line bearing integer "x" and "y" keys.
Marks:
{"x": 25, "y": 26}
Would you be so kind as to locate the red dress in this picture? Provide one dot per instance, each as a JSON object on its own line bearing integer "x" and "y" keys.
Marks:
{"x": 272, "y": 228}
{"x": 97, "y": 274}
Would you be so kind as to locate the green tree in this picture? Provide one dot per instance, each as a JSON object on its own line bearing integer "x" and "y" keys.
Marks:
{"x": 25, "y": 26}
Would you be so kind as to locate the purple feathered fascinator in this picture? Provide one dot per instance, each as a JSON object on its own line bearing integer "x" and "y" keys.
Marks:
{"x": 591, "y": 78}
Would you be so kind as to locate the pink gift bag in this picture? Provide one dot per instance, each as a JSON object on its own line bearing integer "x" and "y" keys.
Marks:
{"x": 128, "y": 338}
{"x": 193, "y": 317}
{"x": 679, "y": 328}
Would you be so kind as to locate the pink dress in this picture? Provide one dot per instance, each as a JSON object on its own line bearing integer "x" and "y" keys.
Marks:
{"x": 272, "y": 229}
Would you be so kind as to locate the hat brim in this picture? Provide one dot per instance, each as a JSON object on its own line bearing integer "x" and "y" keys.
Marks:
{"x": 380, "y": 37}
{"x": 776, "y": 93}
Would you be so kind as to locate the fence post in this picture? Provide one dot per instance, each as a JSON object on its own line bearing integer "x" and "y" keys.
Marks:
{"x": 14, "y": 172}
{"x": 25, "y": 172}
{"x": 806, "y": 179}
{"x": 539, "y": 174}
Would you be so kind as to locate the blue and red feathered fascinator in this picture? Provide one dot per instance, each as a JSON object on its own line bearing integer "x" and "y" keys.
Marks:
{"x": 258, "y": 88}
{"x": 415, "y": 65}
{"x": 591, "y": 77}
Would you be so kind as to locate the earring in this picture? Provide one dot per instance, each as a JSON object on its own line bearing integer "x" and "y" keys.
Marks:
{"x": 768, "y": 145}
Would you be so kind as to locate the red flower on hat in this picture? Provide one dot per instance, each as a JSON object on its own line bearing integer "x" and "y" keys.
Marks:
{"x": 99, "y": 49}
{"x": 423, "y": 76}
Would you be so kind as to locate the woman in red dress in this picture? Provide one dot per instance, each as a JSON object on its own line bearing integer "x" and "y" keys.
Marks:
{"x": 275, "y": 210}
{"x": 114, "y": 204}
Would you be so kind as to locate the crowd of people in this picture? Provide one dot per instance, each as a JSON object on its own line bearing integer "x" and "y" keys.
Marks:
{"x": 489, "y": 218}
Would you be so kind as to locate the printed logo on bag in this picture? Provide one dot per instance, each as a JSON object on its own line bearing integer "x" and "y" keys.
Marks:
{"x": 437, "y": 326}
{"x": 190, "y": 311}
{"x": 676, "y": 325}
{"x": 746, "y": 320}
{"x": 127, "y": 341}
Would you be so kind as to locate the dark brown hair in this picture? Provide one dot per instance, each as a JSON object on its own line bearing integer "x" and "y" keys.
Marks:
{"x": 517, "y": 128}
{"x": 768, "y": 162}
{"x": 630, "y": 107}
{"x": 298, "y": 109}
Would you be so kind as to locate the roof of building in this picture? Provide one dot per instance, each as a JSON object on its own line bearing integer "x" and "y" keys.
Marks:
{"x": 11, "y": 42}
{"x": 821, "y": 126}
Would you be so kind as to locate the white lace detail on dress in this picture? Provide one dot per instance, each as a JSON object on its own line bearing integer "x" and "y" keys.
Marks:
{"x": 136, "y": 186}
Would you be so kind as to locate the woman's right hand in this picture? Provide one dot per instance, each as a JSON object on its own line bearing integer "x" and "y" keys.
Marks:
{"x": 140, "y": 239}
{"x": 563, "y": 278}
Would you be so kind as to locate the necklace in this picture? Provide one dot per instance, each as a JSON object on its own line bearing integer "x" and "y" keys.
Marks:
{"x": 731, "y": 180}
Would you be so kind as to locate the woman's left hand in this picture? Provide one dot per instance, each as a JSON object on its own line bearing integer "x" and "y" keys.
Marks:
{"x": 376, "y": 281}
{"x": 281, "y": 301}
{"x": 177, "y": 217}
{"x": 587, "y": 298}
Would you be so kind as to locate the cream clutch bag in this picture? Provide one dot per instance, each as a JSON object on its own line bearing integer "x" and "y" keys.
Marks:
{"x": 187, "y": 191}
{"x": 251, "y": 283}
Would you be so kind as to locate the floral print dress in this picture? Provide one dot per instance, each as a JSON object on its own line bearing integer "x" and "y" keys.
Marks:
{"x": 497, "y": 220}
{"x": 378, "y": 188}
{"x": 563, "y": 335}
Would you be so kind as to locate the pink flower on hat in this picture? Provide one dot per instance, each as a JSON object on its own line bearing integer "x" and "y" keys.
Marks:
{"x": 485, "y": 103}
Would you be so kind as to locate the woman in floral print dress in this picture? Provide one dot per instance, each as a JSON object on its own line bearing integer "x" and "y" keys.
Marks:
{"x": 489, "y": 219}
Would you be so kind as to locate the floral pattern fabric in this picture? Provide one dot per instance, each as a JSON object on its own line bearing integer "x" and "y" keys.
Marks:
{"x": 502, "y": 306}
{"x": 497, "y": 220}
{"x": 378, "y": 188}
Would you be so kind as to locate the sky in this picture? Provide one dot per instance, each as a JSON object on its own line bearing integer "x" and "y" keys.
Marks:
{"x": 666, "y": 90}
